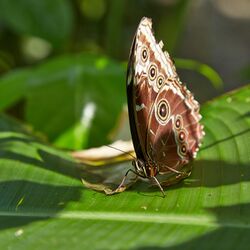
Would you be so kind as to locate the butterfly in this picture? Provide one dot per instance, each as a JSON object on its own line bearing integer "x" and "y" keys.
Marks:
{"x": 163, "y": 115}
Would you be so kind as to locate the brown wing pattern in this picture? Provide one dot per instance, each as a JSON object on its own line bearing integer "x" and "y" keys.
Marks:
{"x": 165, "y": 114}
{"x": 144, "y": 51}
{"x": 174, "y": 132}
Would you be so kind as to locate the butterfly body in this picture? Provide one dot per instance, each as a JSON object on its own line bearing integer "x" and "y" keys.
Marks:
{"x": 164, "y": 117}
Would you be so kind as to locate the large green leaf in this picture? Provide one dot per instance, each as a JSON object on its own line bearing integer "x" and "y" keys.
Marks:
{"x": 43, "y": 204}
{"x": 51, "y": 20}
{"x": 69, "y": 97}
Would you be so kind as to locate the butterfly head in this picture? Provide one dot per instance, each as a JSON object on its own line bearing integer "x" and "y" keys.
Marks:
{"x": 143, "y": 169}
{"x": 146, "y": 170}
{"x": 140, "y": 167}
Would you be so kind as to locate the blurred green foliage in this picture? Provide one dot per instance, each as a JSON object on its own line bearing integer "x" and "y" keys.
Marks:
{"x": 51, "y": 20}
{"x": 201, "y": 68}
{"x": 56, "y": 94}
{"x": 58, "y": 75}
{"x": 100, "y": 26}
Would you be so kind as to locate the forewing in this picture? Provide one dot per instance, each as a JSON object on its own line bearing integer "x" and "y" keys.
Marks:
{"x": 164, "y": 117}
{"x": 143, "y": 83}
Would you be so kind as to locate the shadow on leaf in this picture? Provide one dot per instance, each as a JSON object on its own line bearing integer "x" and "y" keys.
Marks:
{"x": 31, "y": 201}
{"x": 233, "y": 224}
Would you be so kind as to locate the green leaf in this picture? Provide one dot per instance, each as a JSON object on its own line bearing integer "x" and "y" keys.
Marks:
{"x": 51, "y": 20}
{"x": 67, "y": 98}
{"x": 43, "y": 204}
{"x": 202, "y": 69}
{"x": 13, "y": 87}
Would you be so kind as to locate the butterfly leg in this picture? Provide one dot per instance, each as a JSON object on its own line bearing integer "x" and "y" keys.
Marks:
{"x": 180, "y": 173}
{"x": 159, "y": 185}
{"x": 125, "y": 176}
{"x": 174, "y": 170}
{"x": 121, "y": 187}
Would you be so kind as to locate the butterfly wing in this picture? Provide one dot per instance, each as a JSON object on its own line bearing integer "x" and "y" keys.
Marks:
{"x": 157, "y": 102}
{"x": 174, "y": 132}
{"x": 139, "y": 93}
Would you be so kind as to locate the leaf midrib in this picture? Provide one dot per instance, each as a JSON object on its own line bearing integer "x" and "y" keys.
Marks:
{"x": 180, "y": 219}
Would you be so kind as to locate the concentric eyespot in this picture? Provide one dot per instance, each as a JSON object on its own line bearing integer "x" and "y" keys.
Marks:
{"x": 159, "y": 81}
{"x": 178, "y": 123}
{"x": 163, "y": 110}
{"x": 144, "y": 54}
{"x": 152, "y": 72}
{"x": 182, "y": 136}
{"x": 183, "y": 149}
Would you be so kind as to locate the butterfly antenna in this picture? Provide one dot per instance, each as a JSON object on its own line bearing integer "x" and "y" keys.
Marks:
{"x": 121, "y": 151}
{"x": 159, "y": 185}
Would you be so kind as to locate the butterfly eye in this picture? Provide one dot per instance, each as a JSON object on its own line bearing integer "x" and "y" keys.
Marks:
{"x": 160, "y": 81}
{"x": 163, "y": 110}
{"x": 178, "y": 122}
{"x": 144, "y": 54}
{"x": 152, "y": 72}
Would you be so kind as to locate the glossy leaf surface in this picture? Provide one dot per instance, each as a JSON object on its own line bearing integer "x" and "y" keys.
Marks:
{"x": 43, "y": 204}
